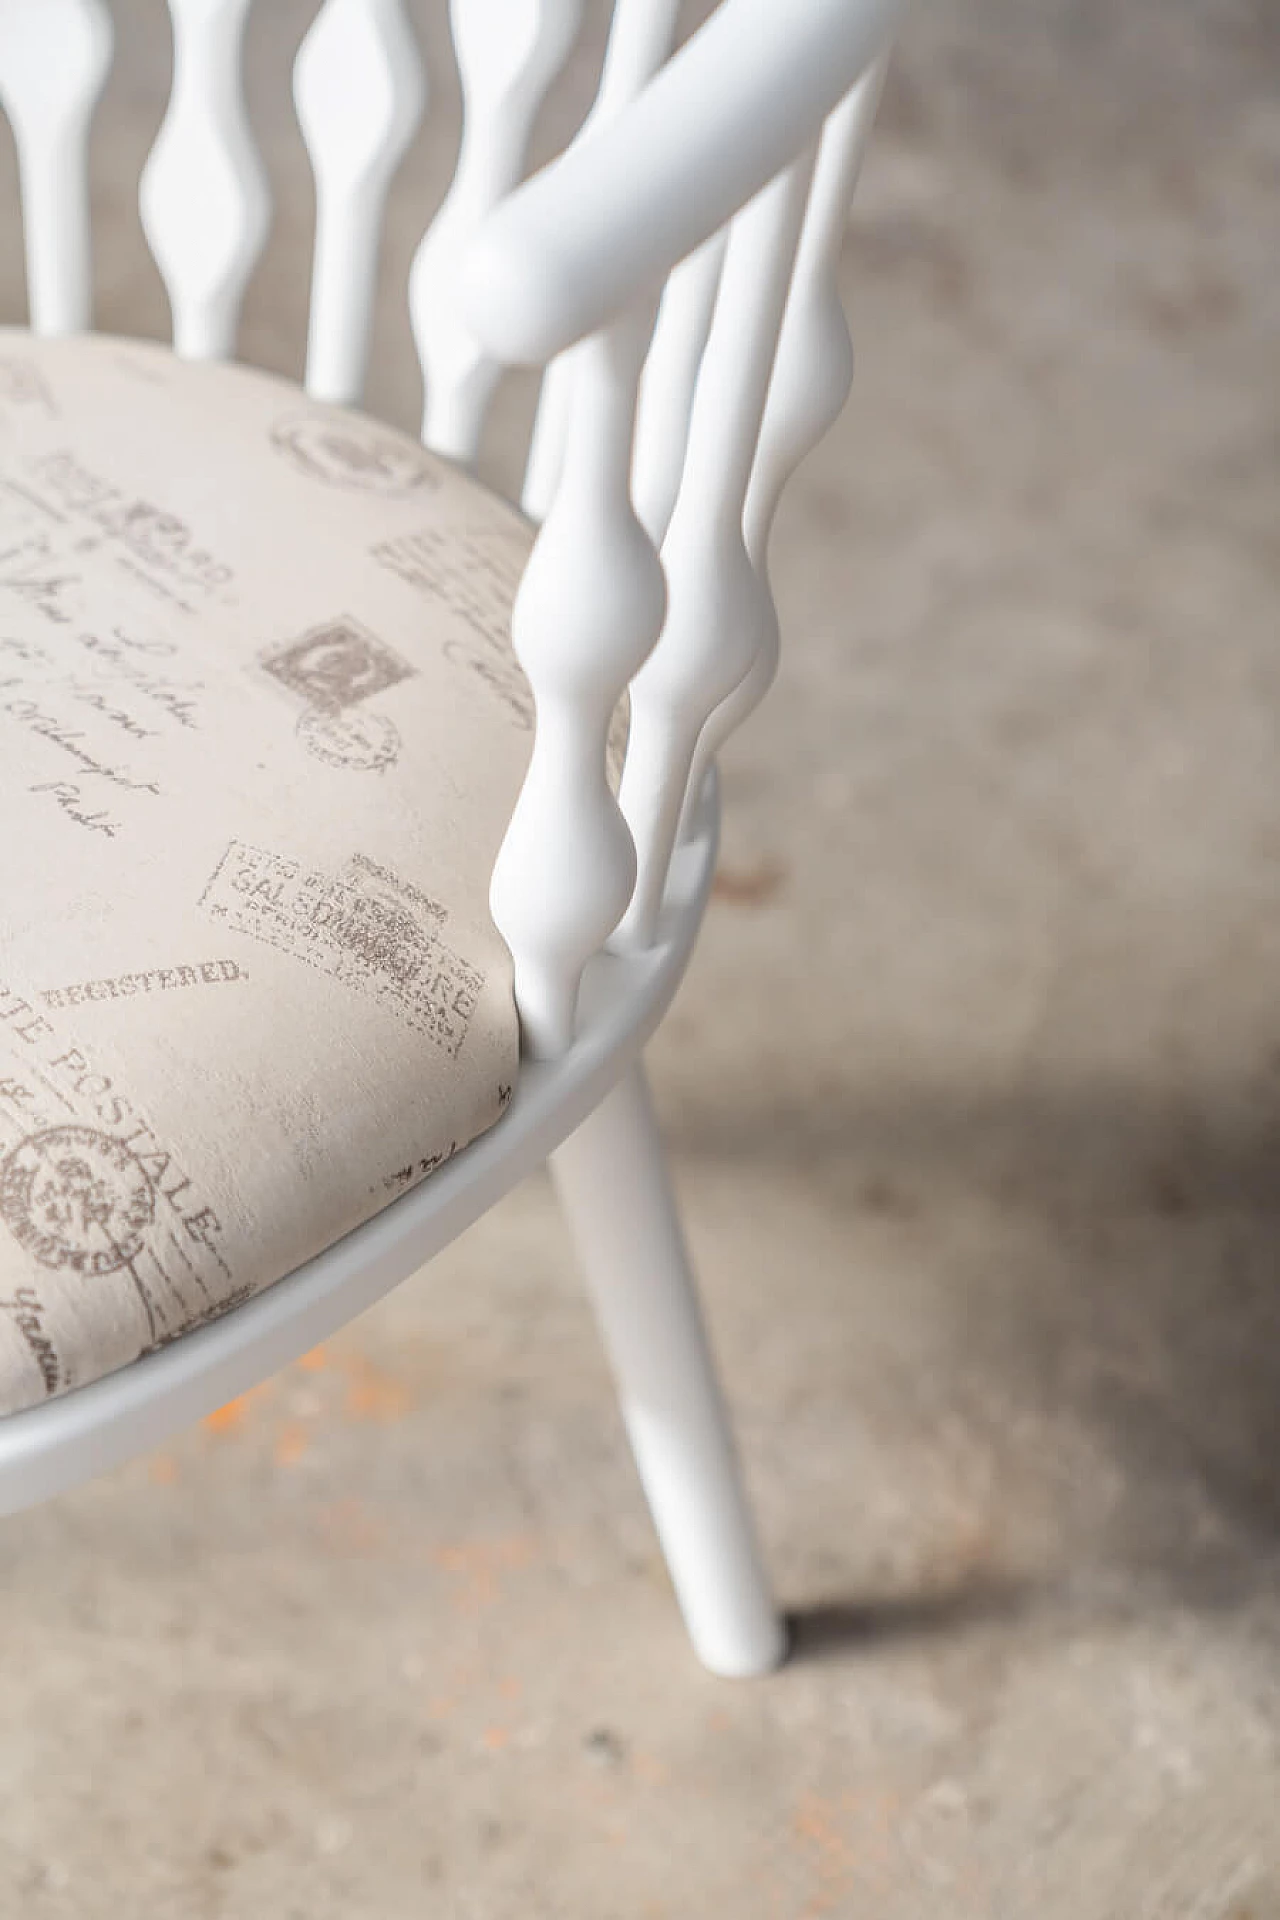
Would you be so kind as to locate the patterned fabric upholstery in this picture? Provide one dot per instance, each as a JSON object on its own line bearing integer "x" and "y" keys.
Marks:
{"x": 261, "y": 733}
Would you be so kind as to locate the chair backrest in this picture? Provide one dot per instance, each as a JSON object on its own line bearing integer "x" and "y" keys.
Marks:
{"x": 674, "y": 270}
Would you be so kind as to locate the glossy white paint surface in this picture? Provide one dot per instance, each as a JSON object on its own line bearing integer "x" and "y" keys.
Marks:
{"x": 203, "y": 194}
{"x": 508, "y": 53}
{"x": 54, "y": 56}
{"x": 359, "y": 90}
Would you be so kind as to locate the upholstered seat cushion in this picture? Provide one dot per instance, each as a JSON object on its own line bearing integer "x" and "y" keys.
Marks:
{"x": 260, "y": 734}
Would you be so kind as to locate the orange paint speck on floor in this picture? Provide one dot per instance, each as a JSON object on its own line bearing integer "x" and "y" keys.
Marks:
{"x": 231, "y": 1415}
{"x": 227, "y": 1418}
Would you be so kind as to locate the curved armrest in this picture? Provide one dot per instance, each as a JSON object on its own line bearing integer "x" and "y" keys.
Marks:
{"x": 588, "y": 234}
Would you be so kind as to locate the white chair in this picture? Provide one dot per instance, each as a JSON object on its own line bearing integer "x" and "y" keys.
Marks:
{"x": 717, "y": 178}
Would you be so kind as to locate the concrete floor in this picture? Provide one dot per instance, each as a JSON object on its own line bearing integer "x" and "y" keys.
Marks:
{"x": 974, "y": 1098}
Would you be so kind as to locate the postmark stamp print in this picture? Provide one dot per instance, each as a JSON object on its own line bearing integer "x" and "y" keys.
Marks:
{"x": 77, "y": 1199}
{"x": 343, "y": 451}
{"x": 87, "y": 1186}
{"x": 336, "y": 665}
{"x": 377, "y": 935}
{"x": 364, "y": 742}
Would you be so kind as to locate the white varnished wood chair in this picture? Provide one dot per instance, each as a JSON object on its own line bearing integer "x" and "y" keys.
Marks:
{"x": 716, "y": 178}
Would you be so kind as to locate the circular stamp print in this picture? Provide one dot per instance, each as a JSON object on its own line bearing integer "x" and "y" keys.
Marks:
{"x": 366, "y": 742}
{"x": 77, "y": 1199}
{"x": 346, "y": 451}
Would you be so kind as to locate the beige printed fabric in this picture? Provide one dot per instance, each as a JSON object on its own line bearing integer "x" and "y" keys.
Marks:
{"x": 260, "y": 735}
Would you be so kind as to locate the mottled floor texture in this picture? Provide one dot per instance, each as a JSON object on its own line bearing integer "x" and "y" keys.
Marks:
{"x": 974, "y": 1100}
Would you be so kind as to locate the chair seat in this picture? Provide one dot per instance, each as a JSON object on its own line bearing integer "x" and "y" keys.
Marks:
{"x": 262, "y": 732}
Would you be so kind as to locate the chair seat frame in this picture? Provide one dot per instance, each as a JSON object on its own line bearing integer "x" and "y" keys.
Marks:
{"x": 60, "y": 1443}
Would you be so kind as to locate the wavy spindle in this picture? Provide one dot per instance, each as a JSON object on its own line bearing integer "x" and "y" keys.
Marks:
{"x": 812, "y": 374}
{"x": 508, "y": 53}
{"x": 669, "y": 382}
{"x": 54, "y": 57}
{"x": 813, "y": 370}
{"x": 359, "y": 91}
{"x": 588, "y": 611}
{"x": 203, "y": 196}
{"x": 639, "y": 41}
{"x": 720, "y": 611}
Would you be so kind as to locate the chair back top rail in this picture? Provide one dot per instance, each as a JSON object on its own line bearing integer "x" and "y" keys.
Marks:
{"x": 707, "y": 188}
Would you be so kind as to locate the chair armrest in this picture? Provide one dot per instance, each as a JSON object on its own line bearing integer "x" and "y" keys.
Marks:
{"x": 590, "y": 233}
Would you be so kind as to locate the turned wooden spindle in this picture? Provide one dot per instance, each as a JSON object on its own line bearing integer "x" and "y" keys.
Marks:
{"x": 639, "y": 40}
{"x": 669, "y": 382}
{"x": 508, "y": 53}
{"x": 203, "y": 195}
{"x": 812, "y": 373}
{"x": 359, "y": 91}
{"x": 54, "y": 56}
{"x": 587, "y": 613}
{"x": 720, "y": 612}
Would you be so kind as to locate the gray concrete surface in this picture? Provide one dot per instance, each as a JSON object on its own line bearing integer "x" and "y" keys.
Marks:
{"x": 974, "y": 1098}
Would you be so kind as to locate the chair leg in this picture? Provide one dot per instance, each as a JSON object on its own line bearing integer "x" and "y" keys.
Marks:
{"x": 613, "y": 1184}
